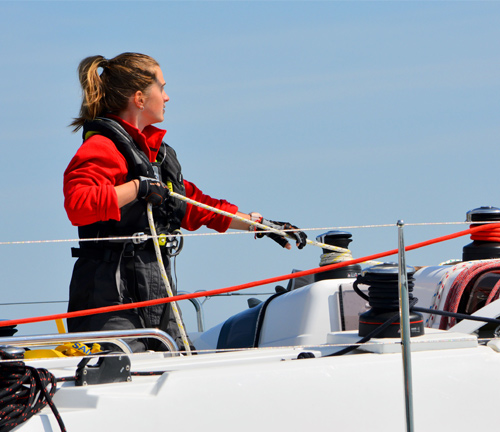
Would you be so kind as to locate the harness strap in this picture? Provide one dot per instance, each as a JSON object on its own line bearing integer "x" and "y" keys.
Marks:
{"x": 108, "y": 255}
{"x": 113, "y": 254}
{"x": 129, "y": 264}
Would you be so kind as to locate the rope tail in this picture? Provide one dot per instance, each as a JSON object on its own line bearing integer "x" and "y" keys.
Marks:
{"x": 164, "y": 276}
{"x": 255, "y": 224}
{"x": 342, "y": 253}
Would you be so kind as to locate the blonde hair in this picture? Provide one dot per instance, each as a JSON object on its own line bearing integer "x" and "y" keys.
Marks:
{"x": 110, "y": 90}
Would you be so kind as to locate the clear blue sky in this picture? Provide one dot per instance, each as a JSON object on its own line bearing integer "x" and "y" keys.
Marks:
{"x": 325, "y": 114}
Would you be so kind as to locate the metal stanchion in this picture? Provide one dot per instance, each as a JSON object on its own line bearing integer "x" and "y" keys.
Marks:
{"x": 404, "y": 311}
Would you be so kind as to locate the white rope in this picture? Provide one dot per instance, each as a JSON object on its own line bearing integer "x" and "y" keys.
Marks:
{"x": 256, "y": 224}
{"x": 334, "y": 257}
{"x": 164, "y": 277}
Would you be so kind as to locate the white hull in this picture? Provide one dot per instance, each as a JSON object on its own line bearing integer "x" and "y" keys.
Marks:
{"x": 455, "y": 374}
{"x": 269, "y": 390}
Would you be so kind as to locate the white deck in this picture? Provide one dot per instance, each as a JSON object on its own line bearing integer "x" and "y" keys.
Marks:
{"x": 269, "y": 390}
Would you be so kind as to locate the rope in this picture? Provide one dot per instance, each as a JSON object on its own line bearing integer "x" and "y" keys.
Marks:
{"x": 439, "y": 292}
{"x": 490, "y": 234}
{"x": 257, "y": 224}
{"x": 493, "y": 293}
{"x": 24, "y": 392}
{"x": 334, "y": 257}
{"x": 460, "y": 284}
{"x": 341, "y": 254}
{"x": 192, "y": 295}
{"x": 164, "y": 277}
{"x": 239, "y": 287}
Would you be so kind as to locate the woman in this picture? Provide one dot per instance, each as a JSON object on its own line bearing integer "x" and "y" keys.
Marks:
{"x": 122, "y": 165}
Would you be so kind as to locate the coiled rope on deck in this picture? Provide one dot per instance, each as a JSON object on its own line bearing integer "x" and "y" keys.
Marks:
{"x": 24, "y": 391}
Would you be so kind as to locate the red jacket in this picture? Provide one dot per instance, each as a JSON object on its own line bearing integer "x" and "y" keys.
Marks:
{"x": 98, "y": 166}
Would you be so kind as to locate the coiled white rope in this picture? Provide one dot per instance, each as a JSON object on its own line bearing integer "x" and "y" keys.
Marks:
{"x": 164, "y": 277}
{"x": 334, "y": 257}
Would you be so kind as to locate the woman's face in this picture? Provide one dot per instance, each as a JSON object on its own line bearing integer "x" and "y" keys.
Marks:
{"x": 155, "y": 99}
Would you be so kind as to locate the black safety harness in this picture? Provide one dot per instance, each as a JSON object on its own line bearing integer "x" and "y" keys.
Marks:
{"x": 134, "y": 223}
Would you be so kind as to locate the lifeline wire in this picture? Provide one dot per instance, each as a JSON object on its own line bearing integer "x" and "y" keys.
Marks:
{"x": 275, "y": 279}
{"x": 209, "y": 234}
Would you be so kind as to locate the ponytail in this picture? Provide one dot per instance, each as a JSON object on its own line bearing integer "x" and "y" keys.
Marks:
{"x": 108, "y": 90}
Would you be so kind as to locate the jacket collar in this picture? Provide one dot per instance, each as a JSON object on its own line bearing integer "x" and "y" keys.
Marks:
{"x": 149, "y": 140}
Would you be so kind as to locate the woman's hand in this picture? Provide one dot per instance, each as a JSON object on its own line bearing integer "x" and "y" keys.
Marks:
{"x": 300, "y": 237}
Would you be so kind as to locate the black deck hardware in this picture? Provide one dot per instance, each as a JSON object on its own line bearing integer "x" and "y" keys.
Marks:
{"x": 108, "y": 369}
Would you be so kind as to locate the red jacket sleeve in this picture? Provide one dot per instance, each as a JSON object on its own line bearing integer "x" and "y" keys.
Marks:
{"x": 89, "y": 181}
{"x": 89, "y": 194}
{"x": 196, "y": 217}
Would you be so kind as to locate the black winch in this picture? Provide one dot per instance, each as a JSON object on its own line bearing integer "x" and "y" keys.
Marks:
{"x": 383, "y": 298}
{"x": 338, "y": 239}
{"x": 481, "y": 249}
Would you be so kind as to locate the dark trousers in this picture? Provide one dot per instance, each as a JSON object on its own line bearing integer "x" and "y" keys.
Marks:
{"x": 118, "y": 277}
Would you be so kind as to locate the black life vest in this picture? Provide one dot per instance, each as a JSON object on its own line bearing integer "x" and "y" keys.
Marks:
{"x": 168, "y": 216}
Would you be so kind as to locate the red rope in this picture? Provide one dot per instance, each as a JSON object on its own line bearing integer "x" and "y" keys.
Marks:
{"x": 243, "y": 286}
{"x": 493, "y": 294}
{"x": 490, "y": 234}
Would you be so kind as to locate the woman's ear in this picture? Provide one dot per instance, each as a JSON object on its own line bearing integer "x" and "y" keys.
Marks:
{"x": 139, "y": 99}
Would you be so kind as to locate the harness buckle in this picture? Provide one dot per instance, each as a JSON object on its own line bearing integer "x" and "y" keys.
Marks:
{"x": 128, "y": 250}
{"x": 167, "y": 241}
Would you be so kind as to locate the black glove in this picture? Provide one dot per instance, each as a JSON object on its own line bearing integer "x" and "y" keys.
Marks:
{"x": 152, "y": 190}
{"x": 300, "y": 236}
